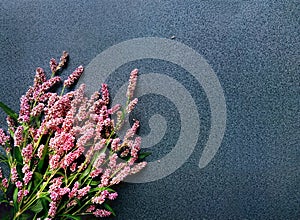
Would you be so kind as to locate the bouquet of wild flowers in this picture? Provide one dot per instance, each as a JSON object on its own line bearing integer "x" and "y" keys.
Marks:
{"x": 63, "y": 151}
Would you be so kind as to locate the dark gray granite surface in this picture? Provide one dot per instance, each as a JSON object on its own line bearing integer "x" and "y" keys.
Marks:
{"x": 253, "y": 47}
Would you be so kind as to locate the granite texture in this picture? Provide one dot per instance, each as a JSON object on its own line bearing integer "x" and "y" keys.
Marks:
{"x": 254, "y": 49}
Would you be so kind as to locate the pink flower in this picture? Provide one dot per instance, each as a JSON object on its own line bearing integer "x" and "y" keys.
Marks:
{"x": 91, "y": 208}
{"x": 27, "y": 177}
{"x": 18, "y": 137}
{"x": 120, "y": 176}
{"x": 105, "y": 178}
{"x": 53, "y": 65}
{"x": 5, "y": 183}
{"x": 74, "y": 76}
{"x": 138, "y": 167}
{"x": 131, "y": 105}
{"x": 113, "y": 196}
{"x": 95, "y": 173}
{"x": 73, "y": 167}
{"x": 40, "y": 151}
{"x": 63, "y": 191}
{"x": 24, "y": 114}
{"x": 52, "y": 209}
{"x": 100, "y": 199}
{"x": 40, "y": 77}
{"x": 14, "y": 174}
{"x": 136, "y": 147}
{"x": 132, "y": 130}
{"x": 54, "y": 162}
{"x": 11, "y": 123}
{"x": 114, "y": 109}
{"x": 27, "y": 153}
{"x": 74, "y": 190}
{"x": 105, "y": 93}
{"x": 3, "y": 137}
{"x": 19, "y": 185}
{"x": 132, "y": 83}
{"x": 101, "y": 213}
{"x": 20, "y": 195}
{"x": 25, "y": 168}
{"x": 37, "y": 110}
{"x": 82, "y": 192}
{"x": 115, "y": 144}
{"x": 49, "y": 83}
{"x": 72, "y": 203}
{"x": 113, "y": 161}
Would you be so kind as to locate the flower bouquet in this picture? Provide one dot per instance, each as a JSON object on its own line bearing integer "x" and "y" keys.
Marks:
{"x": 63, "y": 150}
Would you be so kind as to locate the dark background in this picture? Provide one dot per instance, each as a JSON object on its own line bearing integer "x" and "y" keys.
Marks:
{"x": 253, "y": 47}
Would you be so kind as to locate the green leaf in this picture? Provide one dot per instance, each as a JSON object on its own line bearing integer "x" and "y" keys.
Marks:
{"x": 85, "y": 173}
{"x": 109, "y": 209}
{"x": 37, "y": 207}
{"x": 15, "y": 195}
{"x": 25, "y": 216}
{"x": 18, "y": 155}
{"x": 144, "y": 155}
{"x": 9, "y": 111}
{"x": 71, "y": 216}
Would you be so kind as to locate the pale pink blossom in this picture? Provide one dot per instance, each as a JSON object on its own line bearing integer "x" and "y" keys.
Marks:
{"x": 14, "y": 174}
{"x": 37, "y": 110}
{"x": 19, "y": 184}
{"x": 52, "y": 209}
{"x": 3, "y": 137}
{"x": 24, "y": 114}
{"x": 105, "y": 93}
{"x": 113, "y": 196}
{"x": 27, "y": 177}
{"x": 53, "y": 65}
{"x": 74, "y": 76}
{"x": 40, "y": 77}
{"x": 5, "y": 183}
{"x": 102, "y": 213}
{"x": 27, "y": 153}
{"x": 82, "y": 192}
{"x": 131, "y": 105}
{"x": 132, "y": 83}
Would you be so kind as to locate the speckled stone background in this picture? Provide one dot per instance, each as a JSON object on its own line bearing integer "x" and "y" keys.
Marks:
{"x": 254, "y": 49}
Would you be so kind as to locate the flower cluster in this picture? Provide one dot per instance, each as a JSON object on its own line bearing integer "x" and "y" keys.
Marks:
{"x": 64, "y": 152}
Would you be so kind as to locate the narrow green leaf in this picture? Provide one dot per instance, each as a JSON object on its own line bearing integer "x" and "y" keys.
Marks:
{"x": 109, "y": 209}
{"x": 144, "y": 155}
{"x": 18, "y": 155}
{"x": 37, "y": 207}
{"x": 9, "y": 111}
{"x": 15, "y": 195}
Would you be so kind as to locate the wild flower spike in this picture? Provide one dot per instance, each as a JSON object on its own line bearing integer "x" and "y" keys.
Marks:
{"x": 74, "y": 76}
{"x": 132, "y": 83}
{"x": 3, "y": 137}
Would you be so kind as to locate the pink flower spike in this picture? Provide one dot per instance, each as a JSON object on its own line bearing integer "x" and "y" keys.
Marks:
{"x": 113, "y": 196}
{"x": 27, "y": 177}
{"x": 105, "y": 93}
{"x": 102, "y": 213}
{"x": 132, "y": 83}
{"x": 19, "y": 185}
{"x": 131, "y": 105}
{"x": 18, "y": 137}
{"x": 24, "y": 114}
{"x": 53, "y": 65}
{"x": 5, "y": 183}
{"x": 74, "y": 76}
{"x": 3, "y": 137}
{"x": 14, "y": 174}
{"x": 40, "y": 77}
